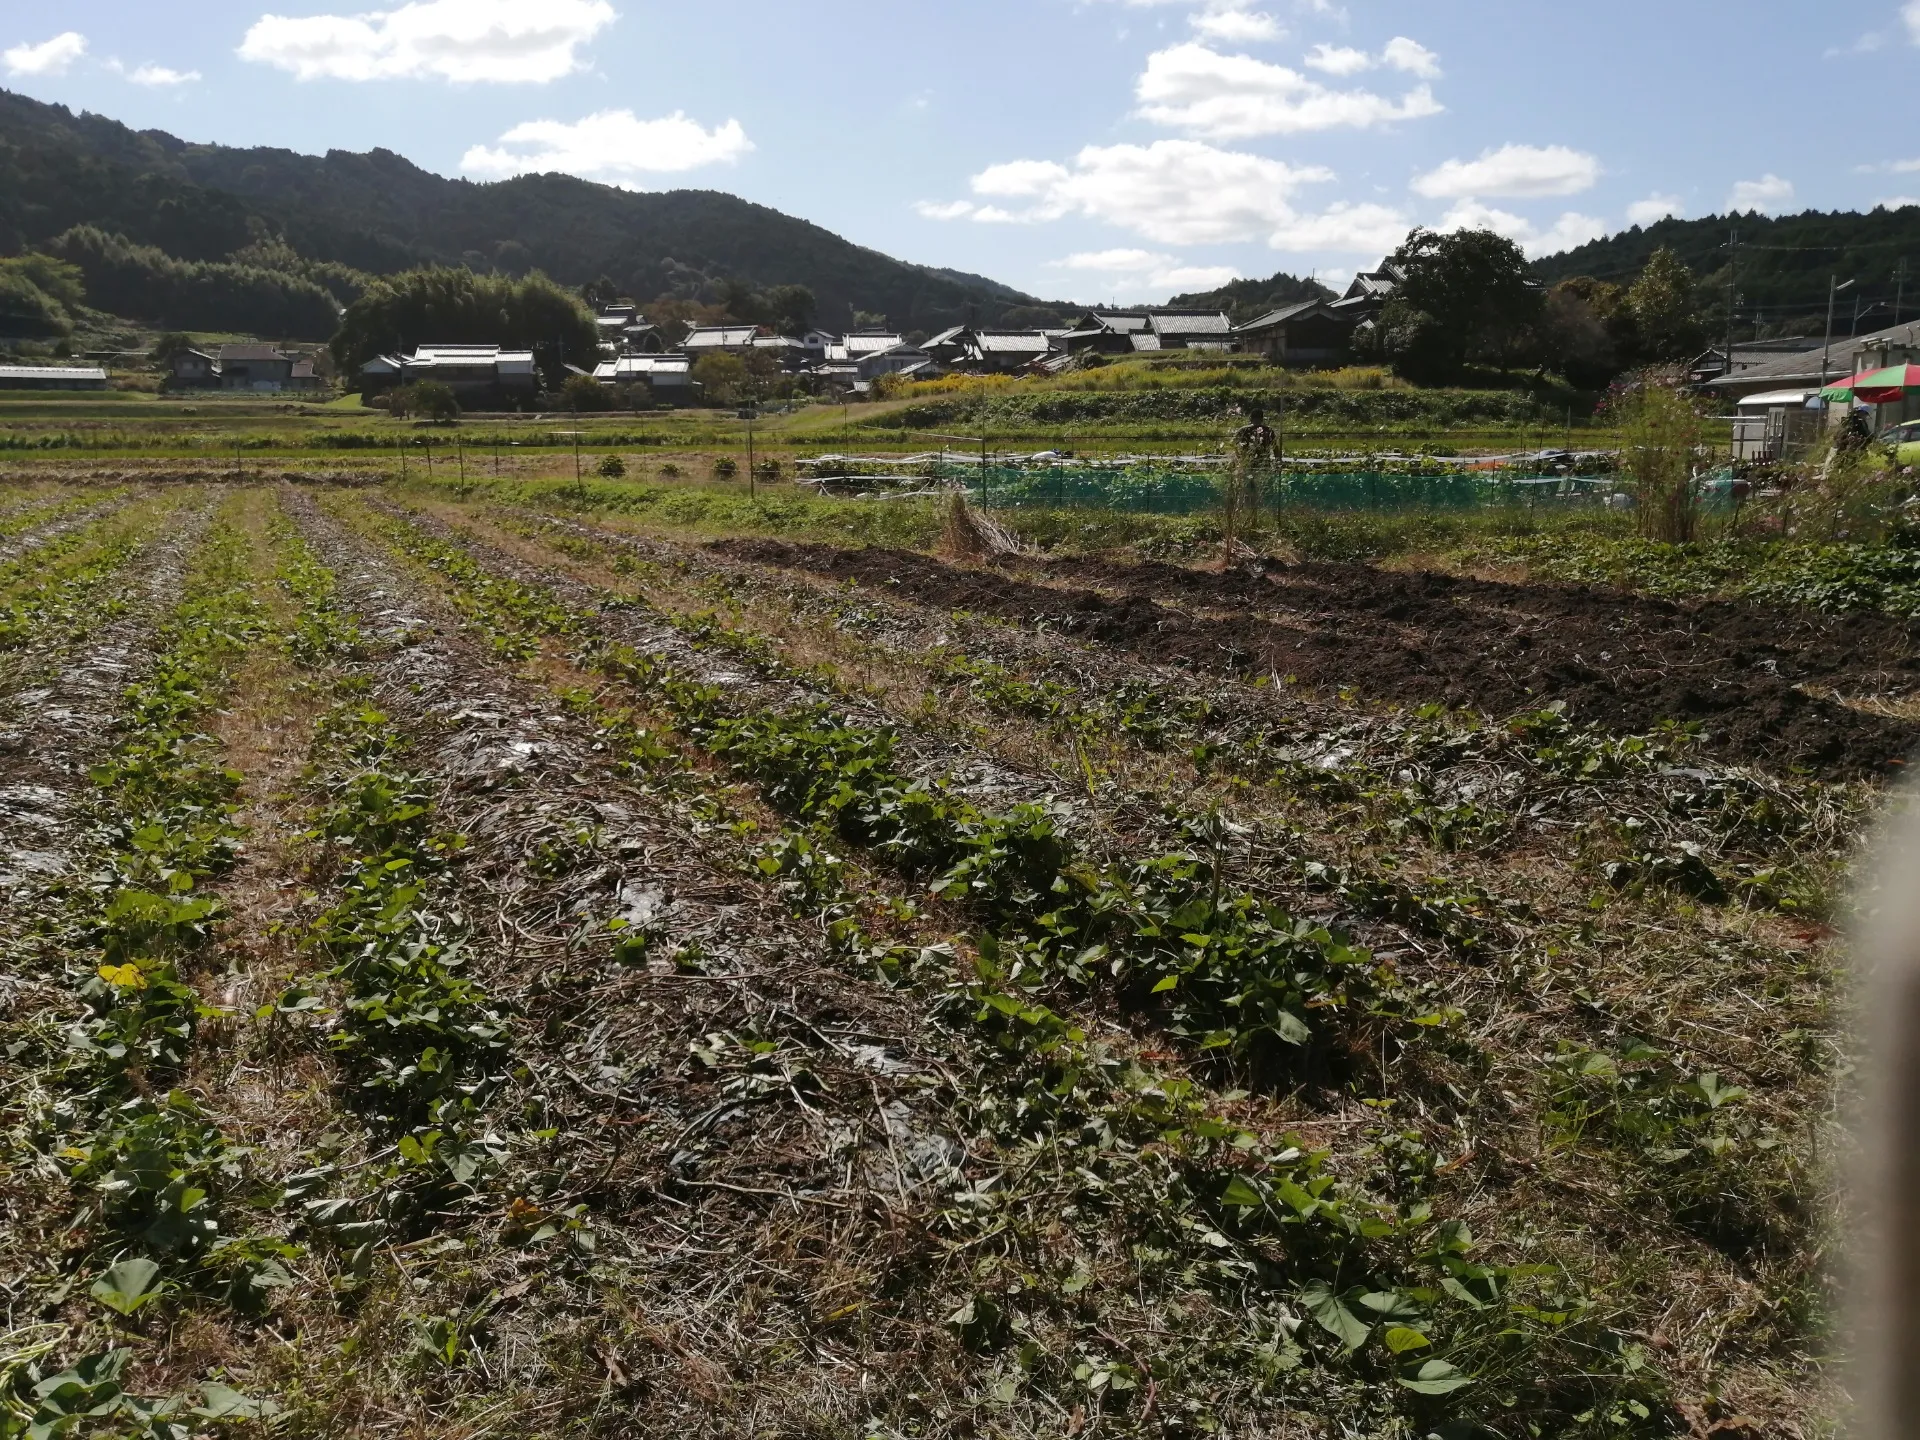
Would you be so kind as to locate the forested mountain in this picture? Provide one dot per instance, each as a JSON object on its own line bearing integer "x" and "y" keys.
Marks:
{"x": 379, "y": 213}
{"x": 1250, "y": 299}
{"x": 1785, "y": 263}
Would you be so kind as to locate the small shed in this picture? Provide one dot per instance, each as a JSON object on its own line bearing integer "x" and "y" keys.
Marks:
{"x": 52, "y": 377}
{"x": 1767, "y": 426}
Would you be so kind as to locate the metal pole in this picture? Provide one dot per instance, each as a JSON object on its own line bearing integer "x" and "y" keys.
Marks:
{"x": 576, "y": 460}
{"x": 1279, "y": 463}
{"x": 460, "y": 449}
{"x": 1733, "y": 294}
{"x": 1826, "y": 355}
{"x": 752, "y": 492}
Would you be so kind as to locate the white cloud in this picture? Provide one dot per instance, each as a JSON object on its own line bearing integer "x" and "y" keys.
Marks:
{"x": 935, "y": 210}
{"x": 615, "y": 146}
{"x": 1910, "y": 12}
{"x": 1236, "y": 26}
{"x": 504, "y": 41}
{"x": 1229, "y": 97}
{"x": 1359, "y": 229}
{"x": 1412, "y": 57}
{"x": 1021, "y": 179}
{"x": 1567, "y": 233}
{"x": 1114, "y": 262}
{"x": 1339, "y": 60}
{"x": 1172, "y": 192}
{"x": 1898, "y": 202}
{"x": 1400, "y": 54}
{"x": 157, "y": 76}
{"x": 1145, "y": 274}
{"x": 1654, "y": 209}
{"x": 54, "y": 57}
{"x": 1517, "y": 171}
{"x": 1769, "y": 193}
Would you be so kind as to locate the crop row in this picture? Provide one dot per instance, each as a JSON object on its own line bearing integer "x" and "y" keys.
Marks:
{"x": 1647, "y": 813}
{"x": 160, "y": 1188}
{"x": 419, "y": 1045}
{"x": 1163, "y": 936}
{"x": 64, "y": 586}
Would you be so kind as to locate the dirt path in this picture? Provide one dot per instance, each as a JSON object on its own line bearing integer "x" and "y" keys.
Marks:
{"x": 1617, "y": 661}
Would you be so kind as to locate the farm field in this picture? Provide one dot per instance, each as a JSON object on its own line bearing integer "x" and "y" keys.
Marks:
{"x": 514, "y": 958}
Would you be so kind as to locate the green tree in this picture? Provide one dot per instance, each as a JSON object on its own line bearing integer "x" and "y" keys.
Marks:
{"x": 429, "y": 399}
{"x": 172, "y": 344}
{"x": 457, "y": 307}
{"x": 1587, "y": 331}
{"x": 723, "y": 378}
{"x": 1666, "y": 308}
{"x": 600, "y": 293}
{"x": 584, "y": 393}
{"x": 789, "y": 309}
{"x": 1466, "y": 297}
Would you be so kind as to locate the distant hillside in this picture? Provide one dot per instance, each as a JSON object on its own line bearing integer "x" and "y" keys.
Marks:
{"x": 1249, "y": 299}
{"x": 380, "y": 213}
{"x": 1785, "y": 264}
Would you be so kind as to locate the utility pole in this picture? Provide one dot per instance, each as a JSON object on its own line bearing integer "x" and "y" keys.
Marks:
{"x": 1733, "y": 293}
{"x": 1826, "y": 355}
{"x": 753, "y": 492}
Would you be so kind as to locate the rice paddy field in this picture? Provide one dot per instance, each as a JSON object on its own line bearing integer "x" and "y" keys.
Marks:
{"x": 503, "y": 955}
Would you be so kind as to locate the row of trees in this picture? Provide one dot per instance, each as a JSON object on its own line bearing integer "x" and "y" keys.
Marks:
{"x": 1469, "y": 300}
{"x": 140, "y": 282}
{"x": 458, "y": 307}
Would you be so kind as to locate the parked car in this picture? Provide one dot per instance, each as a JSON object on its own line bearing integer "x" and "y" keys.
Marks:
{"x": 1904, "y": 442}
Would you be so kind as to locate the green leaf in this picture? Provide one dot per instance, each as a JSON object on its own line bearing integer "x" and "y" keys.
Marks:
{"x": 1333, "y": 1316}
{"x": 1239, "y": 1192}
{"x": 1436, "y": 1377}
{"x": 221, "y": 1402}
{"x": 1292, "y": 1029}
{"x": 1400, "y": 1340}
{"x": 128, "y": 1286}
{"x": 1709, "y": 1089}
{"x": 1172, "y": 982}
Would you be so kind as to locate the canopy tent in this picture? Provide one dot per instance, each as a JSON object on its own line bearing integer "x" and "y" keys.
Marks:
{"x": 1876, "y": 387}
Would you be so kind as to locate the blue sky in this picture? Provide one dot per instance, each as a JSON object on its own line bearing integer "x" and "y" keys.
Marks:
{"x": 1079, "y": 149}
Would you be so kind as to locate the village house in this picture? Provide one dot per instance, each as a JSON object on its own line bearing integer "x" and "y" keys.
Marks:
{"x": 473, "y": 372}
{"x": 720, "y": 340}
{"x": 980, "y": 351}
{"x": 255, "y": 369}
{"x": 1310, "y": 333}
{"x": 625, "y": 331}
{"x": 669, "y": 377}
{"x": 1149, "y": 329}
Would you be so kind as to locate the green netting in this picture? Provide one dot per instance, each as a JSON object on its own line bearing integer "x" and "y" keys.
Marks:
{"x": 1169, "y": 490}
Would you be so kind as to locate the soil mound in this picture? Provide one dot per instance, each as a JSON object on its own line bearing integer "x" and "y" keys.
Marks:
{"x": 1620, "y": 661}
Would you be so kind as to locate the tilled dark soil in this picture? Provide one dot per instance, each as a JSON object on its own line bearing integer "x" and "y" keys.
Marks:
{"x": 1620, "y": 661}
